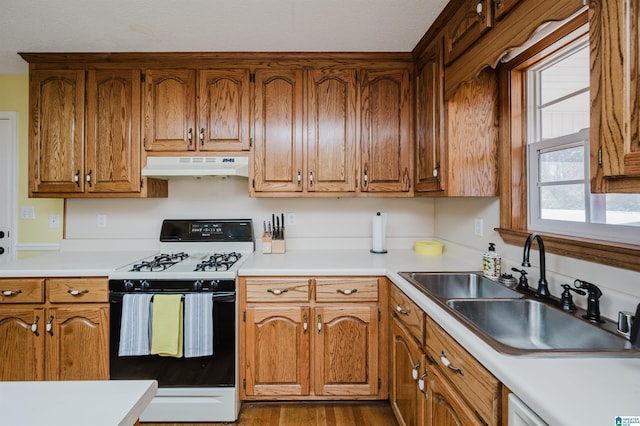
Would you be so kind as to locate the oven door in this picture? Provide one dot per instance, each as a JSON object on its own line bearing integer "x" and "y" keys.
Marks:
{"x": 217, "y": 370}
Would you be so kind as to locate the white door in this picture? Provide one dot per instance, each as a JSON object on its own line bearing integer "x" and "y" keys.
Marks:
{"x": 8, "y": 181}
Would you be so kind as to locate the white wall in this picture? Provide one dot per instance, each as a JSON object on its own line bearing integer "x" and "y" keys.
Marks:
{"x": 318, "y": 219}
{"x": 454, "y": 222}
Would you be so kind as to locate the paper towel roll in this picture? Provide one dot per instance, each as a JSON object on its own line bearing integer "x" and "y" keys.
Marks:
{"x": 379, "y": 227}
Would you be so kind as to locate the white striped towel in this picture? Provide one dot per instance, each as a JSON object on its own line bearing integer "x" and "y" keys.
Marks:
{"x": 134, "y": 325}
{"x": 198, "y": 325}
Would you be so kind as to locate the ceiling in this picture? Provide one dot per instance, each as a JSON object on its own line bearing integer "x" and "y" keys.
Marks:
{"x": 210, "y": 26}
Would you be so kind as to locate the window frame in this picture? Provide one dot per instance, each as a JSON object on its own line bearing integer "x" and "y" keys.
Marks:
{"x": 514, "y": 228}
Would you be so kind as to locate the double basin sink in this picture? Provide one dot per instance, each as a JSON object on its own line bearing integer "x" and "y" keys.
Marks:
{"x": 514, "y": 324}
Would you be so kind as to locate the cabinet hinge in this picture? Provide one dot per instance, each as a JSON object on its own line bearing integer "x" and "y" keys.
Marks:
{"x": 250, "y": 142}
{"x": 600, "y": 156}
{"x": 244, "y": 383}
{"x": 253, "y": 183}
{"x": 379, "y": 383}
{"x": 143, "y": 78}
{"x": 244, "y": 316}
{"x": 141, "y": 183}
{"x": 252, "y": 78}
{"x": 379, "y": 315}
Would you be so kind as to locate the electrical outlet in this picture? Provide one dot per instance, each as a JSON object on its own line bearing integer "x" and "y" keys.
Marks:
{"x": 28, "y": 212}
{"x": 102, "y": 221}
{"x": 478, "y": 226}
{"x": 54, "y": 221}
{"x": 291, "y": 219}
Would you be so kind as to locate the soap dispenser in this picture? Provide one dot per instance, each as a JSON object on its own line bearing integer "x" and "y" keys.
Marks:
{"x": 492, "y": 263}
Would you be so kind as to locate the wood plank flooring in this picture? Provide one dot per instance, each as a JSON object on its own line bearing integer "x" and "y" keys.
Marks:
{"x": 302, "y": 413}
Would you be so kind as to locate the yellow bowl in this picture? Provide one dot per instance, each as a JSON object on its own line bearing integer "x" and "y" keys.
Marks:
{"x": 428, "y": 248}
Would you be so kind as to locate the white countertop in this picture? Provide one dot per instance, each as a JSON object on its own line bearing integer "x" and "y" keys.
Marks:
{"x": 563, "y": 391}
{"x": 75, "y": 403}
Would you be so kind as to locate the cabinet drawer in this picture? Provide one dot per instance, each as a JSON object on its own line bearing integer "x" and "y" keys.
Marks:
{"x": 20, "y": 290}
{"x": 409, "y": 314}
{"x": 70, "y": 290}
{"x": 346, "y": 289}
{"x": 470, "y": 379}
{"x": 277, "y": 289}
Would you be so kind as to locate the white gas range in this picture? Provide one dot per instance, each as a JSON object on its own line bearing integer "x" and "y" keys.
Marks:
{"x": 197, "y": 257}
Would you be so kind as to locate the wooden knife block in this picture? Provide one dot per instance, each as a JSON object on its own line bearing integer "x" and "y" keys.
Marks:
{"x": 271, "y": 246}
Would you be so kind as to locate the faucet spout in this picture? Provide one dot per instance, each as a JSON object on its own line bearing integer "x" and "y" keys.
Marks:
{"x": 543, "y": 286}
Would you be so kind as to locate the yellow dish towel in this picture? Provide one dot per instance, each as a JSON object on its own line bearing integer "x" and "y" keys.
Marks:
{"x": 166, "y": 325}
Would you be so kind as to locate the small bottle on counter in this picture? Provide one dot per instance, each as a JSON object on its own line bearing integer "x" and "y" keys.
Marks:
{"x": 492, "y": 263}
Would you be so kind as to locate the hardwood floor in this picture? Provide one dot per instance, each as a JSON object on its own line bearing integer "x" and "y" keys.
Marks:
{"x": 308, "y": 414}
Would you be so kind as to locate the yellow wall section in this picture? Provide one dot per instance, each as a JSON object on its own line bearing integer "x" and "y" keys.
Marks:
{"x": 14, "y": 96}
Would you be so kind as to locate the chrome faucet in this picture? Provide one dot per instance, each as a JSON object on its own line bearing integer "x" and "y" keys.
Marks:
{"x": 543, "y": 287}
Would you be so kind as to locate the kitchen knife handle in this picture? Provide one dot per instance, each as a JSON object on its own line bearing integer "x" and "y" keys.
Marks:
{"x": 347, "y": 291}
{"x": 277, "y": 292}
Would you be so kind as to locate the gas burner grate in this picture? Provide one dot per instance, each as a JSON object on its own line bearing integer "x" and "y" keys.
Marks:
{"x": 160, "y": 262}
{"x": 218, "y": 262}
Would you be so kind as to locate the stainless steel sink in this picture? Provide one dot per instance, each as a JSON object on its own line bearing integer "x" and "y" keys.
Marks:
{"x": 463, "y": 285}
{"x": 529, "y": 327}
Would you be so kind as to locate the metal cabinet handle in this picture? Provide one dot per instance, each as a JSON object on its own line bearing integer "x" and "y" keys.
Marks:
{"x": 304, "y": 324}
{"x": 49, "y": 326}
{"x": 190, "y": 136}
{"x": 480, "y": 12}
{"x": 319, "y": 324}
{"x": 77, "y": 292}
{"x": 89, "y": 177}
{"x": 422, "y": 384}
{"x": 401, "y": 309}
{"x": 76, "y": 178}
{"x": 447, "y": 363}
{"x": 365, "y": 179}
{"x": 10, "y": 293}
{"x": 34, "y": 326}
{"x": 346, "y": 292}
{"x": 414, "y": 371}
{"x": 202, "y": 136}
{"x": 497, "y": 3}
{"x": 299, "y": 177}
{"x": 311, "y": 178}
{"x": 277, "y": 292}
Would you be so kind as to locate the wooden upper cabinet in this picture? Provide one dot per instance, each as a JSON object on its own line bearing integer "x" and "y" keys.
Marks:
{"x": 430, "y": 131}
{"x": 615, "y": 113}
{"x": 169, "y": 105}
{"x": 386, "y": 131}
{"x": 113, "y": 131}
{"x": 223, "y": 110}
{"x": 277, "y": 160}
{"x": 56, "y": 141}
{"x": 502, "y": 7}
{"x": 331, "y": 131}
{"x": 469, "y": 22}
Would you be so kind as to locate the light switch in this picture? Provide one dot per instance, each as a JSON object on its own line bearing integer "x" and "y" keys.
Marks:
{"x": 28, "y": 212}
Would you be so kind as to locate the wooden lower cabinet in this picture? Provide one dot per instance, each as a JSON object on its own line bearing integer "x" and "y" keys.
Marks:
{"x": 446, "y": 407}
{"x": 40, "y": 340}
{"x": 312, "y": 350}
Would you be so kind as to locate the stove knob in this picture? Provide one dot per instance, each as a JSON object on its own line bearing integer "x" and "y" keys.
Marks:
{"x": 128, "y": 285}
{"x": 215, "y": 284}
{"x": 197, "y": 285}
{"x": 144, "y": 285}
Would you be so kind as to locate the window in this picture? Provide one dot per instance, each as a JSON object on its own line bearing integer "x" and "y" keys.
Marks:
{"x": 559, "y": 199}
{"x": 545, "y": 154}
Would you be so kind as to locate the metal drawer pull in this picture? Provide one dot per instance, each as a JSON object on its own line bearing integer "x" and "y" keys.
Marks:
{"x": 11, "y": 292}
{"x": 49, "y": 326}
{"x": 77, "y": 292}
{"x": 278, "y": 291}
{"x": 421, "y": 383}
{"x": 346, "y": 292}
{"x": 34, "y": 326}
{"x": 447, "y": 364}
{"x": 319, "y": 324}
{"x": 402, "y": 310}
{"x": 414, "y": 371}
{"x": 304, "y": 324}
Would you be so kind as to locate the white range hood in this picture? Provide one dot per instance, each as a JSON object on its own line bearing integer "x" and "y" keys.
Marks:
{"x": 173, "y": 167}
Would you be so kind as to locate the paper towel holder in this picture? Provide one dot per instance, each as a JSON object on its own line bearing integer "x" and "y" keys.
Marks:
{"x": 383, "y": 250}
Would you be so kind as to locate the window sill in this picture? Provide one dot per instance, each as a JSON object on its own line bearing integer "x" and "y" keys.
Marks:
{"x": 608, "y": 253}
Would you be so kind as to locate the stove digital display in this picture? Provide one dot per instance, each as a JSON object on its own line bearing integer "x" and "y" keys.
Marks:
{"x": 206, "y": 229}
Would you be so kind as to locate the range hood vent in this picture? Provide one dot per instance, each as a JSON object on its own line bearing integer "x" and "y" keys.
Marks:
{"x": 172, "y": 167}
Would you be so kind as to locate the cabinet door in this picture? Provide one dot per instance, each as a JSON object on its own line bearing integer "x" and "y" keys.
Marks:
{"x": 277, "y": 152}
{"x": 113, "y": 131}
{"x": 446, "y": 408}
{"x": 331, "y": 131}
{"x": 223, "y": 110}
{"x": 407, "y": 361}
{"x": 430, "y": 131}
{"x": 466, "y": 26}
{"x": 169, "y": 110}
{"x": 56, "y": 143}
{"x": 502, "y": 7}
{"x": 615, "y": 123}
{"x": 78, "y": 343}
{"x": 277, "y": 351}
{"x": 386, "y": 131}
{"x": 346, "y": 350}
{"x": 21, "y": 344}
